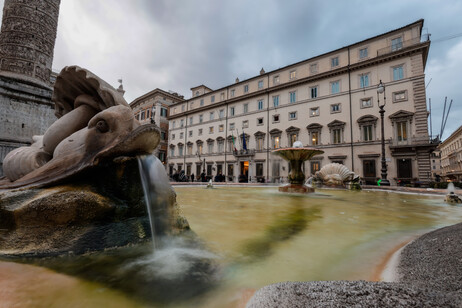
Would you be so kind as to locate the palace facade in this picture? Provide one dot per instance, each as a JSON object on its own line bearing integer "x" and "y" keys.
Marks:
{"x": 329, "y": 102}
{"x": 451, "y": 157}
{"x": 153, "y": 107}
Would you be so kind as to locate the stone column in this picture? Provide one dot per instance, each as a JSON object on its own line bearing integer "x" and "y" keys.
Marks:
{"x": 27, "y": 39}
{"x": 237, "y": 171}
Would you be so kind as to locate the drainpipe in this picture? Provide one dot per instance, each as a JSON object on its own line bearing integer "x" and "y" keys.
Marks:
{"x": 185, "y": 149}
{"x": 351, "y": 115}
{"x": 225, "y": 167}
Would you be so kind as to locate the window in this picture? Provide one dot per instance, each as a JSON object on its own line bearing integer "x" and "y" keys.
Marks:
{"x": 222, "y": 96}
{"x": 200, "y": 131}
{"x": 173, "y": 124}
{"x": 260, "y": 84}
{"x": 363, "y": 53}
{"x": 190, "y": 120}
{"x": 202, "y": 102}
{"x": 314, "y": 112}
{"x": 221, "y": 128}
{"x": 260, "y": 143}
{"x": 231, "y": 126}
{"x": 231, "y": 111}
{"x": 181, "y": 135}
{"x": 212, "y": 99}
{"x": 221, "y": 113}
{"x": 245, "y": 124}
{"x": 334, "y": 62}
{"x": 190, "y": 133}
{"x": 315, "y": 166}
{"x": 276, "y": 101}
{"x": 335, "y": 87}
{"x": 191, "y": 105}
{"x": 200, "y": 148}
{"x": 396, "y": 44}
{"x": 180, "y": 150}
{"x": 399, "y": 96}
{"x": 292, "y": 138}
{"x": 246, "y": 108}
{"x": 260, "y": 105}
{"x": 182, "y": 108}
{"x": 259, "y": 169}
{"x": 275, "y": 118}
{"x": 197, "y": 93}
{"x": 163, "y": 136}
{"x": 163, "y": 112}
{"x": 173, "y": 136}
{"x": 293, "y": 115}
{"x": 246, "y": 88}
{"x": 336, "y": 135}
{"x": 293, "y": 74}
{"x": 211, "y": 130}
{"x": 181, "y": 122}
{"x": 314, "y": 138}
{"x": 190, "y": 147}
{"x": 211, "y": 115}
{"x": 201, "y": 118}
{"x": 363, "y": 80}
{"x": 314, "y": 68}
{"x": 210, "y": 149}
{"x": 221, "y": 146}
{"x": 398, "y": 73}
{"x": 367, "y": 132}
{"x": 260, "y": 121}
{"x": 366, "y": 102}
{"x": 276, "y": 142}
{"x": 401, "y": 131}
{"x": 314, "y": 92}
{"x": 276, "y": 79}
{"x": 292, "y": 97}
{"x": 335, "y": 108}
{"x": 172, "y": 151}
{"x": 233, "y": 92}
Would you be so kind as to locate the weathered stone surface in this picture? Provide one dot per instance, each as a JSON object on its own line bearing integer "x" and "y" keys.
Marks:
{"x": 100, "y": 208}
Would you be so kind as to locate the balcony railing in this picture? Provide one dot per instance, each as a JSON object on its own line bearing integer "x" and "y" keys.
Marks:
{"x": 248, "y": 152}
{"x": 416, "y": 141}
{"x": 396, "y": 47}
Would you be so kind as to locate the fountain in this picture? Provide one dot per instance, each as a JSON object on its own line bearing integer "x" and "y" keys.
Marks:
{"x": 451, "y": 197}
{"x": 296, "y": 156}
{"x": 336, "y": 175}
{"x": 77, "y": 188}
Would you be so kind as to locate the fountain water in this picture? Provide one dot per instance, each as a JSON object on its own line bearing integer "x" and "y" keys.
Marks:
{"x": 156, "y": 189}
{"x": 296, "y": 156}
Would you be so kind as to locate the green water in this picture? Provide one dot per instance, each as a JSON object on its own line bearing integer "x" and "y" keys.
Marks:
{"x": 258, "y": 236}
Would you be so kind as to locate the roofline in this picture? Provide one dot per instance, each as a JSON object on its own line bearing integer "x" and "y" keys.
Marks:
{"x": 163, "y": 92}
{"x": 202, "y": 85}
{"x": 450, "y": 136}
{"x": 420, "y": 21}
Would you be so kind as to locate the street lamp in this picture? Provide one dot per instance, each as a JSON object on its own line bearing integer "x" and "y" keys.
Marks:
{"x": 380, "y": 90}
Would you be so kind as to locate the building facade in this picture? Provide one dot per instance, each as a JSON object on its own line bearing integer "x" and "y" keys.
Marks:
{"x": 451, "y": 157}
{"x": 153, "y": 107}
{"x": 329, "y": 102}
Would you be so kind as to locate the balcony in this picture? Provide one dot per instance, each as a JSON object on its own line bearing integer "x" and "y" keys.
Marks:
{"x": 240, "y": 153}
{"x": 415, "y": 141}
{"x": 396, "y": 47}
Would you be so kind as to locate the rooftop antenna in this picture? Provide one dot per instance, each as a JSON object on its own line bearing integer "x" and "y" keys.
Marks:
{"x": 446, "y": 119}
{"x": 442, "y": 119}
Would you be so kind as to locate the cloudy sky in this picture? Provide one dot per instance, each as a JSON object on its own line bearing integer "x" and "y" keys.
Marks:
{"x": 175, "y": 45}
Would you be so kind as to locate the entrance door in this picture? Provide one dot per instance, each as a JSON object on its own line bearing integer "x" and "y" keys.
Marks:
{"x": 244, "y": 176}
{"x": 404, "y": 168}
{"x": 370, "y": 175}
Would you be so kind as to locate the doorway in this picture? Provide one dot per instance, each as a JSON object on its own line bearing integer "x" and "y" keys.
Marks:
{"x": 244, "y": 175}
{"x": 404, "y": 168}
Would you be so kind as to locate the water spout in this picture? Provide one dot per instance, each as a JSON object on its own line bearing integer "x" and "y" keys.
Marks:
{"x": 451, "y": 188}
{"x": 156, "y": 189}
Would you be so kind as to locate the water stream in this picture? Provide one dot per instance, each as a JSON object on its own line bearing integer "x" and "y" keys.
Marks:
{"x": 156, "y": 189}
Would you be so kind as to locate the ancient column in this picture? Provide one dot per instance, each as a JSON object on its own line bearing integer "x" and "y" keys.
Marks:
{"x": 27, "y": 39}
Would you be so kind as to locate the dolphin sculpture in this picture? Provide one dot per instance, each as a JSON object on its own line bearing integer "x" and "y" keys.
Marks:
{"x": 95, "y": 123}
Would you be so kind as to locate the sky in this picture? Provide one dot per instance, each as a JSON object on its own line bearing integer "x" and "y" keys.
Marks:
{"x": 176, "y": 45}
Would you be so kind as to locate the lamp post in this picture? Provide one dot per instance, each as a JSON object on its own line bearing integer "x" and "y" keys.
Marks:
{"x": 381, "y": 89}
